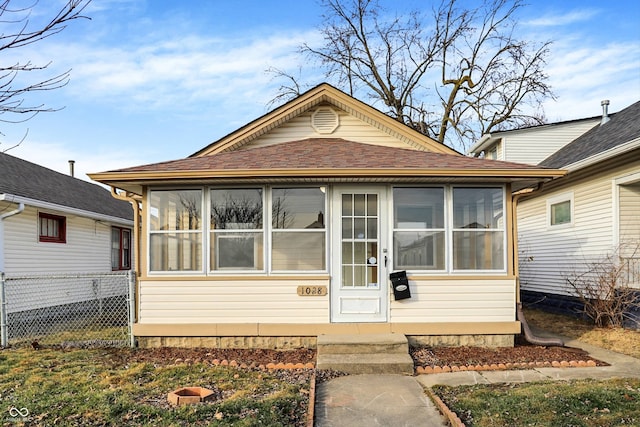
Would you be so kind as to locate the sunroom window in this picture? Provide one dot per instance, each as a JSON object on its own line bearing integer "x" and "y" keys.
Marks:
{"x": 418, "y": 229}
{"x": 236, "y": 226}
{"x": 298, "y": 238}
{"x": 478, "y": 229}
{"x": 175, "y": 230}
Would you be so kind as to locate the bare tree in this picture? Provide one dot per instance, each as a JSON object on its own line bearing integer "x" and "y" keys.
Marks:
{"x": 16, "y": 80}
{"x": 459, "y": 71}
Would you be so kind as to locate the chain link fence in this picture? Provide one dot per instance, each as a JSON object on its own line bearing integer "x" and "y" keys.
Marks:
{"x": 75, "y": 310}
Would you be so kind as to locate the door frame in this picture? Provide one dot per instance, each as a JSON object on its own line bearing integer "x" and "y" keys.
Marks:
{"x": 360, "y": 304}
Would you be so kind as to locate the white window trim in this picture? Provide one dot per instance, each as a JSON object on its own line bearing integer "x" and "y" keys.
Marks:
{"x": 557, "y": 199}
{"x": 269, "y": 221}
{"x": 451, "y": 230}
{"x": 208, "y": 233}
{"x": 203, "y": 230}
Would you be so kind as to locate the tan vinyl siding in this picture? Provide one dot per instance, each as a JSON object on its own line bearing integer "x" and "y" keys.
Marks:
{"x": 236, "y": 301}
{"x": 548, "y": 254}
{"x": 536, "y": 144}
{"x": 444, "y": 301}
{"x": 350, "y": 128}
{"x": 87, "y": 248}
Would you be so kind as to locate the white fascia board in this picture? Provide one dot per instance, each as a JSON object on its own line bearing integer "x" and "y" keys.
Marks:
{"x": 616, "y": 151}
{"x": 482, "y": 144}
{"x": 65, "y": 209}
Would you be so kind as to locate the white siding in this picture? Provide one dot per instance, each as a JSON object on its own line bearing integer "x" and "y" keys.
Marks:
{"x": 87, "y": 248}
{"x": 536, "y": 144}
{"x": 234, "y": 301}
{"x": 548, "y": 254}
{"x": 350, "y": 128}
{"x": 451, "y": 301}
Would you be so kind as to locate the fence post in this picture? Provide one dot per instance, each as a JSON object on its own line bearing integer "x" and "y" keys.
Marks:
{"x": 4, "y": 334}
{"x": 131, "y": 299}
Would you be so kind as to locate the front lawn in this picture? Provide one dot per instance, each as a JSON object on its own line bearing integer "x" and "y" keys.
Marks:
{"x": 584, "y": 403}
{"x": 116, "y": 387}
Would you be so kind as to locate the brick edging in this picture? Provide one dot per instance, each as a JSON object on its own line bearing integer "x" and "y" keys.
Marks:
{"x": 504, "y": 366}
{"x": 451, "y": 416}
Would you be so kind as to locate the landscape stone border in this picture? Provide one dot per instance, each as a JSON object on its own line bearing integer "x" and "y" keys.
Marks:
{"x": 505, "y": 366}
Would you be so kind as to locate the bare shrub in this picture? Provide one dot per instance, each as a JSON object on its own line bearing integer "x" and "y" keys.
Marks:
{"x": 608, "y": 287}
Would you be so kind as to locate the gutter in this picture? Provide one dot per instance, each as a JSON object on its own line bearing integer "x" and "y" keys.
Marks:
{"x": 66, "y": 209}
{"x": 2, "y": 218}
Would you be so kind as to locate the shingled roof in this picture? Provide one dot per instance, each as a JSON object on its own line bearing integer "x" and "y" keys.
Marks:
{"x": 25, "y": 179}
{"x": 623, "y": 127}
{"x": 327, "y": 153}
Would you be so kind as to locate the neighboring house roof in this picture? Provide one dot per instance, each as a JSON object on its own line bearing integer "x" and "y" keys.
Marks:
{"x": 29, "y": 181}
{"x": 622, "y": 128}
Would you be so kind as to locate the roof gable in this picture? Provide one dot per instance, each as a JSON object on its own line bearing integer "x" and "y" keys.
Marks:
{"x": 622, "y": 128}
{"x": 323, "y": 95}
{"x": 25, "y": 179}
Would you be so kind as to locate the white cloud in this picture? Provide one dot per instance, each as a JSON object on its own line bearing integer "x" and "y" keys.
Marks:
{"x": 557, "y": 19}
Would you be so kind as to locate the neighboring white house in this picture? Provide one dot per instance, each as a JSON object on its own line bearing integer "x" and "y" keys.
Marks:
{"x": 579, "y": 218}
{"x": 531, "y": 145}
{"x": 51, "y": 223}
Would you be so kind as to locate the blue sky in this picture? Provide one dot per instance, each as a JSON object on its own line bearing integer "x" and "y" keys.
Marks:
{"x": 158, "y": 80}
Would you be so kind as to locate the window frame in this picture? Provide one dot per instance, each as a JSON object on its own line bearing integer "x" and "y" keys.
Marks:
{"x": 230, "y": 233}
{"x": 452, "y": 230}
{"x": 201, "y": 232}
{"x": 557, "y": 200}
{"x": 392, "y": 222}
{"x": 272, "y": 230}
{"x": 62, "y": 228}
{"x": 124, "y": 261}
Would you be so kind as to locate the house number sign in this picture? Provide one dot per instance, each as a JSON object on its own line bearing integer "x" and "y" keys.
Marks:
{"x": 312, "y": 291}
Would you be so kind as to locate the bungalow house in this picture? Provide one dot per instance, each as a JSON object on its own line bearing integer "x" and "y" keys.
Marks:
{"x": 289, "y": 228}
{"x": 592, "y": 211}
{"x": 53, "y": 224}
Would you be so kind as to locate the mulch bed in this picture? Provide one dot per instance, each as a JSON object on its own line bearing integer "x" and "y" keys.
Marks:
{"x": 521, "y": 354}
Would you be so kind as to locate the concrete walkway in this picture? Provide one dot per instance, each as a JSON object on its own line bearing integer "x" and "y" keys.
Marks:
{"x": 396, "y": 400}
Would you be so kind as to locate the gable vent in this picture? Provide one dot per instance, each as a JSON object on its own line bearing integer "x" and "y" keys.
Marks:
{"x": 325, "y": 120}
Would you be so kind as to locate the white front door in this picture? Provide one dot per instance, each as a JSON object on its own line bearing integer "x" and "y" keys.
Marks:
{"x": 359, "y": 290}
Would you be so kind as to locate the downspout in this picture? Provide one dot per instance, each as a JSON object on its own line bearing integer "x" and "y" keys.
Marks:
{"x": 16, "y": 211}
{"x": 136, "y": 226}
{"x": 526, "y": 330}
{"x": 4, "y": 335}
{"x": 136, "y": 245}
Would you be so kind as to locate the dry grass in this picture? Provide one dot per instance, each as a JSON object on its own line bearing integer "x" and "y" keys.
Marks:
{"x": 623, "y": 341}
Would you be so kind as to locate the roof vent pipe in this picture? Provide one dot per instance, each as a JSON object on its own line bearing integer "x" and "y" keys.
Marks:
{"x": 71, "y": 167}
{"x": 605, "y": 111}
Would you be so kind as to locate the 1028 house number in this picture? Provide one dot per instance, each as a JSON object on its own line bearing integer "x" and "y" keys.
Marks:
{"x": 309, "y": 291}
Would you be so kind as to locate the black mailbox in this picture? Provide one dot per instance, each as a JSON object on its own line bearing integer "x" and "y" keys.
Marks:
{"x": 400, "y": 285}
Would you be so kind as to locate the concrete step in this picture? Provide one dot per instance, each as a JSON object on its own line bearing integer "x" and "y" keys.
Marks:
{"x": 364, "y": 363}
{"x": 363, "y": 343}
